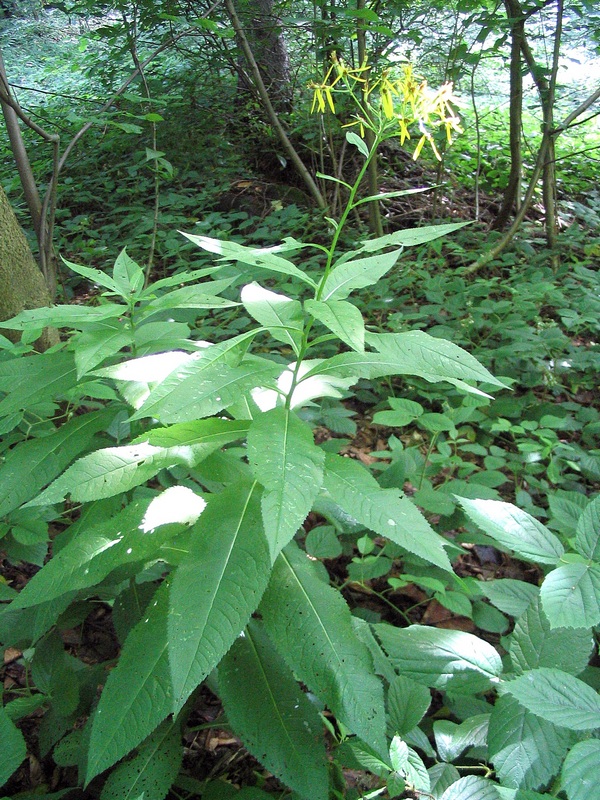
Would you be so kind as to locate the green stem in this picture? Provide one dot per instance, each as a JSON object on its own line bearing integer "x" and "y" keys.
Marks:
{"x": 305, "y": 345}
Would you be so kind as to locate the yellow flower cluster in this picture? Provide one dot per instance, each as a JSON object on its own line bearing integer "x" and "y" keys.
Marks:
{"x": 407, "y": 101}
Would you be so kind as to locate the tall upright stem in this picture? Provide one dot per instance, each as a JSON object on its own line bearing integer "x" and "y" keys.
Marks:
{"x": 375, "y": 222}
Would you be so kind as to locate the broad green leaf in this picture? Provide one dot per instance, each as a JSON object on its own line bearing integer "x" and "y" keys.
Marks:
{"x": 452, "y": 739}
{"x": 78, "y": 317}
{"x": 410, "y": 237}
{"x": 280, "y": 315}
{"x": 471, "y": 787}
{"x": 509, "y": 595}
{"x": 346, "y": 276}
{"x": 93, "y": 554}
{"x": 443, "y": 659}
{"x": 103, "y": 340}
{"x": 587, "y": 540}
{"x": 205, "y": 384}
{"x": 289, "y": 465}
{"x": 311, "y": 625}
{"x": 381, "y": 664}
{"x": 514, "y": 529}
{"x": 114, "y": 470}
{"x": 565, "y": 510}
{"x": 35, "y": 379}
{"x": 581, "y": 771}
{"x": 355, "y": 139}
{"x": 13, "y": 749}
{"x": 272, "y": 716}
{"x": 128, "y": 277}
{"x": 137, "y": 695}
{"x": 571, "y": 596}
{"x": 407, "y": 702}
{"x": 343, "y": 319}
{"x": 216, "y": 587}
{"x": 24, "y": 706}
{"x": 384, "y": 511}
{"x": 212, "y": 433}
{"x": 558, "y": 697}
{"x": 398, "y": 753}
{"x": 252, "y": 256}
{"x": 30, "y": 465}
{"x": 150, "y": 773}
{"x": 441, "y": 776}
{"x": 526, "y": 751}
{"x": 533, "y": 643}
{"x": 415, "y": 772}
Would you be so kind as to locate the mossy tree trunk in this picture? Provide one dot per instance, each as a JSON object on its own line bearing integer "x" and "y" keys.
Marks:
{"x": 22, "y": 284}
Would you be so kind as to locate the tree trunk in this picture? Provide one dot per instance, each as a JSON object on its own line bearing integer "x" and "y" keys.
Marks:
{"x": 512, "y": 192}
{"x": 265, "y": 37}
{"x": 22, "y": 285}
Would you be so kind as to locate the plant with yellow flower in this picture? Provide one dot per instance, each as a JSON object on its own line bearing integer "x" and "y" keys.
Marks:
{"x": 387, "y": 105}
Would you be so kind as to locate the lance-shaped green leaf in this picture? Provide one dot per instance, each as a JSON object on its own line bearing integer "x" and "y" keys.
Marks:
{"x": 571, "y": 595}
{"x": 264, "y": 258}
{"x": 137, "y": 695}
{"x": 533, "y": 643}
{"x": 94, "y": 553}
{"x": 30, "y": 465}
{"x": 289, "y": 465}
{"x": 202, "y": 295}
{"x": 346, "y": 276}
{"x": 514, "y": 529}
{"x": 411, "y": 236}
{"x": 99, "y": 277}
{"x": 76, "y": 316}
{"x": 217, "y": 586}
{"x": 558, "y": 697}
{"x": 279, "y": 314}
{"x": 13, "y": 749}
{"x": 272, "y": 716}
{"x": 101, "y": 341}
{"x": 35, "y": 379}
{"x": 177, "y": 280}
{"x": 150, "y": 773}
{"x": 587, "y": 539}
{"x": 384, "y": 511}
{"x": 443, "y": 659}
{"x": 580, "y": 776}
{"x": 113, "y": 470}
{"x": 206, "y": 383}
{"x": 359, "y": 143}
{"x": 439, "y": 358}
{"x": 416, "y": 353}
{"x": 312, "y": 627}
{"x": 212, "y": 433}
{"x": 128, "y": 276}
{"x": 146, "y": 369}
{"x": 343, "y": 319}
{"x": 526, "y": 751}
